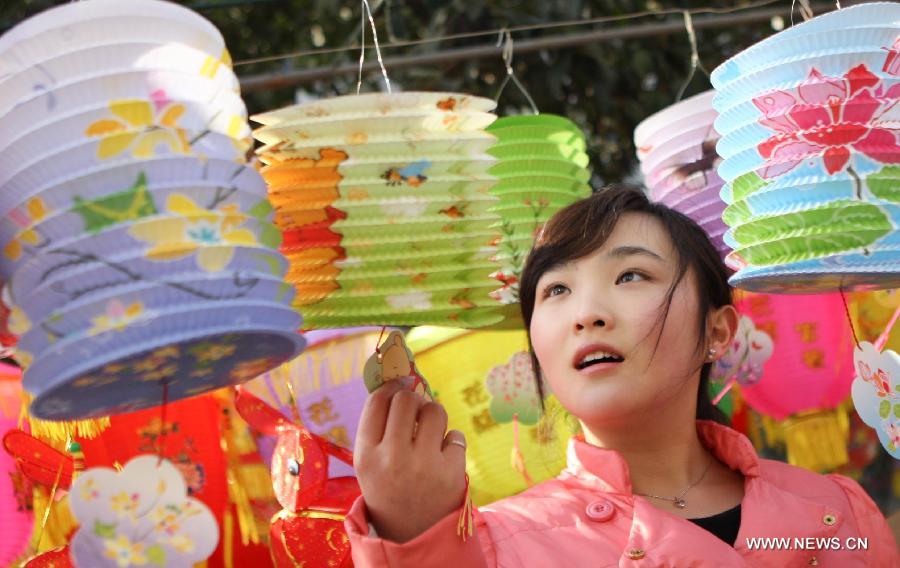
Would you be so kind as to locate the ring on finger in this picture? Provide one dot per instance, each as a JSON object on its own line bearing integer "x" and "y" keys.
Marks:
{"x": 458, "y": 443}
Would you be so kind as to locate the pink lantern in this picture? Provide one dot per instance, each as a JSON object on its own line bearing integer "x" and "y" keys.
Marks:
{"x": 15, "y": 511}
{"x": 808, "y": 375}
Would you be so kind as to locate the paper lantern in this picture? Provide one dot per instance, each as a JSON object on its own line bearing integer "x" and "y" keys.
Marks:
{"x": 875, "y": 395}
{"x": 323, "y": 388}
{"x": 483, "y": 379}
{"x": 136, "y": 239}
{"x": 808, "y": 374}
{"x": 542, "y": 167}
{"x": 809, "y": 126}
{"x": 15, "y": 513}
{"x": 385, "y": 206}
{"x": 137, "y": 516}
{"x": 677, "y": 150}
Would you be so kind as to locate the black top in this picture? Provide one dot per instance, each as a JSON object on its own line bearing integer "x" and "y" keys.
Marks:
{"x": 725, "y": 525}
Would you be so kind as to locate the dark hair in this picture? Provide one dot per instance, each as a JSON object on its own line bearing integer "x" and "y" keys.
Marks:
{"x": 581, "y": 228}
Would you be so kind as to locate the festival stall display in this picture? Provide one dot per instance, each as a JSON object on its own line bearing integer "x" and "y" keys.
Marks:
{"x": 322, "y": 388}
{"x": 542, "y": 167}
{"x": 808, "y": 120}
{"x": 385, "y": 205}
{"x": 677, "y": 150}
{"x": 136, "y": 239}
{"x": 491, "y": 396}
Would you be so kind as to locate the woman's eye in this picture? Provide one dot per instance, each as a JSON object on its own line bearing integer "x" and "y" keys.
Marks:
{"x": 554, "y": 290}
{"x": 630, "y": 276}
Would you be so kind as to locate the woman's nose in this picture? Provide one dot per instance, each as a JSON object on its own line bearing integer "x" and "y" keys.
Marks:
{"x": 591, "y": 315}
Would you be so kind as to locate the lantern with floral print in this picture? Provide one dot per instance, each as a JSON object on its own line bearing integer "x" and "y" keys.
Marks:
{"x": 385, "y": 205}
{"x": 808, "y": 375}
{"x": 485, "y": 381}
{"x": 542, "y": 168}
{"x": 811, "y": 147}
{"x": 677, "y": 150}
{"x": 135, "y": 239}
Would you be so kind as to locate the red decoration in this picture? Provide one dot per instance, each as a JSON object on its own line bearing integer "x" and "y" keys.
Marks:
{"x": 311, "y": 526}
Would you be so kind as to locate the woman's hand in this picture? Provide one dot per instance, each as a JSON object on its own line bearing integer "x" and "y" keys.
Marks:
{"x": 410, "y": 473}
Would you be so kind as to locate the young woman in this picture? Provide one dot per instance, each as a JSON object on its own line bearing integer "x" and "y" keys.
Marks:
{"x": 627, "y": 306}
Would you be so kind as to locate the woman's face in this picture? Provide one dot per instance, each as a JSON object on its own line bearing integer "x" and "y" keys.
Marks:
{"x": 596, "y": 321}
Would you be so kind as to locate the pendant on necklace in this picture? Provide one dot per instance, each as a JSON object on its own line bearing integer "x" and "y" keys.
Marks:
{"x": 680, "y": 503}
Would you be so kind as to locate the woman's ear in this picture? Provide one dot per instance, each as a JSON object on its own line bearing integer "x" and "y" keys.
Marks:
{"x": 723, "y": 325}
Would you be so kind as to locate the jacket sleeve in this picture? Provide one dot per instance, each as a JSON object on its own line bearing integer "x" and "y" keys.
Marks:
{"x": 438, "y": 546}
{"x": 882, "y": 548}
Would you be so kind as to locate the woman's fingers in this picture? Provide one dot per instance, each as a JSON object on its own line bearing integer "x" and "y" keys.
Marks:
{"x": 432, "y": 425}
{"x": 373, "y": 419}
{"x": 401, "y": 420}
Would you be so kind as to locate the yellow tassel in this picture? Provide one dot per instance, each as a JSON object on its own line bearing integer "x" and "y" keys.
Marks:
{"x": 247, "y": 482}
{"x": 517, "y": 459}
{"x": 228, "y": 544}
{"x": 60, "y": 521}
{"x": 61, "y": 431}
{"x": 816, "y": 440}
{"x": 465, "y": 527}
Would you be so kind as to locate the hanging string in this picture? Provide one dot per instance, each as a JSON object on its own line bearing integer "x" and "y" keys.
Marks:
{"x": 849, "y": 319}
{"x": 50, "y": 501}
{"x": 507, "y": 41}
{"x": 512, "y": 29}
{"x": 378, "y": 343}
{"x": 695, "y": 55}
{"x": 292, "y": 399}
{"x": 365, "y": 9}
{"x": 162, "y": 422}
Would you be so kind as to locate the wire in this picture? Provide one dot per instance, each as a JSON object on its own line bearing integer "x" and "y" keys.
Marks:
{"x": 523, "y": 28}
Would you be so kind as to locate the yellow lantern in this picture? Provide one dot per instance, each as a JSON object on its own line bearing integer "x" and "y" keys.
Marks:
{"x": 468, "y": 372}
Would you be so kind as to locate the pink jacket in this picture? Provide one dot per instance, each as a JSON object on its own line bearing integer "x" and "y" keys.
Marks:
{"x": 588, "y": 516}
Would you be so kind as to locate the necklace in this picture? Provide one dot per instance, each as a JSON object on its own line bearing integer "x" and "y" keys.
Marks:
{"x": 678, "y": 501}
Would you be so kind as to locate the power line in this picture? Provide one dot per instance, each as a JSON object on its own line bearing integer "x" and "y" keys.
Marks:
{"x": 513, "y": 29}
{"x": 269, "y": 81}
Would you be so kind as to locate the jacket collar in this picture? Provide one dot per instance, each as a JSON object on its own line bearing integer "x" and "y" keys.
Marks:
{"x": 607, "y": 470}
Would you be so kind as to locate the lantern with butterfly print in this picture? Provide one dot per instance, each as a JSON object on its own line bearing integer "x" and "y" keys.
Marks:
{"x": 677, "y": 150}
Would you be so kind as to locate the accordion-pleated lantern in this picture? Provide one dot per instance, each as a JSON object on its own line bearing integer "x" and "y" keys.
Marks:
{"x": 385, "y": 205}
{"x": 810, "y": 140}
{"x": 677, "y": 150}
{"x": 137, "y": 243}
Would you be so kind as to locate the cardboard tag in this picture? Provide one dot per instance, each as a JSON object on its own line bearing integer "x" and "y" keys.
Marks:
{"x": 393, "y": 361}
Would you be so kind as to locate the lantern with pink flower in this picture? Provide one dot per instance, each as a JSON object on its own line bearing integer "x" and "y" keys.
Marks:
{"x": 677, "y": 150}
{"x": 810, "y": 143}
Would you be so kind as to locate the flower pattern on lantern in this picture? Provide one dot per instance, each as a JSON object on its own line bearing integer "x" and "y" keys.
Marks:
{"x": 829, "y": 116}
{"x": 34, "y": 211}
{"x": 513, "y": 391}
{"x": 117, "y": 317}
{"x": 201, "y": 231}
{"x": 143, "y": 124}
{"x": 744, "y": 360}
{"x": 123, "y": 551}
